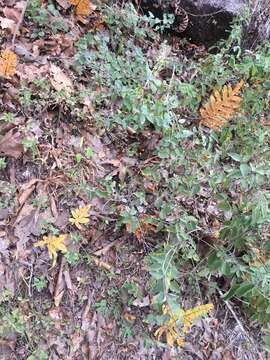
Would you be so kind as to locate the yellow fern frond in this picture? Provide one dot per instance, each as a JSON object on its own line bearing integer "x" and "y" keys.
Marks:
{"x": 193, "y": 314}
{"x": 171, "y": 327}
{"x": 221, "y": 107}
{"x": 8, "y": 61}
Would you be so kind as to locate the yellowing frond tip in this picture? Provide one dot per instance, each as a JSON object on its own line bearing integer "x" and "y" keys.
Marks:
{"x": 174, "y": 334}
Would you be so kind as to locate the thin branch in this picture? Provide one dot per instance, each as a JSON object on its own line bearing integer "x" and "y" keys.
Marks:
{"x": 19, "y": 23}
{"x": 239, "y": 322}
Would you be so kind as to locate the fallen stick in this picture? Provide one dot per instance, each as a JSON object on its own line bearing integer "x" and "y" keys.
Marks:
{"x": 19, "y": 23}
{"x": 239, "y": 323}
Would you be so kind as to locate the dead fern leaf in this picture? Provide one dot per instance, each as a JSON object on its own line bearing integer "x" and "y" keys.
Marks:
{"x": 82, "y": 7}
{"x": 147, "y": 224}
{"x": 221, "y": 107}
{"x": 8, "y": 62}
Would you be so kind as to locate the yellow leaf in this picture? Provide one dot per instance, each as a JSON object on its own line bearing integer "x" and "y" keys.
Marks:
{"x": 8, "y": 62}
{"x": 80, "y": 216}
{"x": 82, "y": 7}
{"x": 180, "y": 342}
{"x": 129, "y": 317}
{"x": 159, "y": 332}
{"x": 54, "y": 243}
{"x": 221, "y": 107}
{"x": 171, "y": 337}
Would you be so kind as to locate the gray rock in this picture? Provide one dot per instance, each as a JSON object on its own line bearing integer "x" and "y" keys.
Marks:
{"x": 209, "y": 20}
{"x": 258, "y": 30}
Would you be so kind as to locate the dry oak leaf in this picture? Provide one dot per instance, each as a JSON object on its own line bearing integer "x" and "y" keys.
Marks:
{"x": 80, "y": 216}
{"x": 8, "y": 62}
{"x": 60, "y": 81}
{"x": 221, "y": 107}
{"x": 54, "y": 243}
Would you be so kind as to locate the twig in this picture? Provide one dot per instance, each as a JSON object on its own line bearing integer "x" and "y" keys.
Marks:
{"x": 203, "y": 15}
{"x": 101, "y": 264}
{"x": 19, "y": 23}
{"x": 239, "y": 323}
{"x": 106, "y": 248}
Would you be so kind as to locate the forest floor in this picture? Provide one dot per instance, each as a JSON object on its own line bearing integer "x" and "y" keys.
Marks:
{"x": 102, "y": 158}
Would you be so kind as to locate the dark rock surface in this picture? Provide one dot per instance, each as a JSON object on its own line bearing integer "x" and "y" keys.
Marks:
{"x": 258, "y": 30}
{"x": 209, "y": 20}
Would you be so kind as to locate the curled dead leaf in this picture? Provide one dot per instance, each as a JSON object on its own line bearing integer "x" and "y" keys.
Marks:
{"x": 60, "y": 81}
{"x": 26, "y": 190}
{"x": 60, "y": 286}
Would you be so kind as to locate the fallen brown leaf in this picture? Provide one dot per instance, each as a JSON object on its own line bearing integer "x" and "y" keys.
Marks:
{"x": 24, "y": 226}
{"x": 53, "y": 207}
{"x": 106, "y": 248}
{"x": 9, "y": 24}
{"x": 12, "y": 14}
{"x": 11, "y": 144}
{"x": 68, "y": 282}
{"x": 60, "y": 81}
{"x": 76, "y": 340}
{"x": 60, "y": 285}
{"x": 26, "y": 190}
{"x": 64, "y": 4}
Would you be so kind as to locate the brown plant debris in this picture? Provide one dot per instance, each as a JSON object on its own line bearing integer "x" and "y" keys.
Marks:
{"x": 221, "y": 107}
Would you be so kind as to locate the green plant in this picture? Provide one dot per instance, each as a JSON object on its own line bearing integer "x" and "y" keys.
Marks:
{"x": 72, "y": 258}
{"x": 40, "y": 202}
{"x": 76, "y": 237}
{"x": 13, "y": 320}
{"x": 38, "y": 355}
{"x": 7, "y": 117}
{"x": 3, "y": 163}
{"x": 40, "y": 283}
{"x": 159, "y": 24}
{"x": 37, "y": 13}
{"x": 31, "y": 145}
{"x": 102, "y": 307}
{"x": 133, "y": 291}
